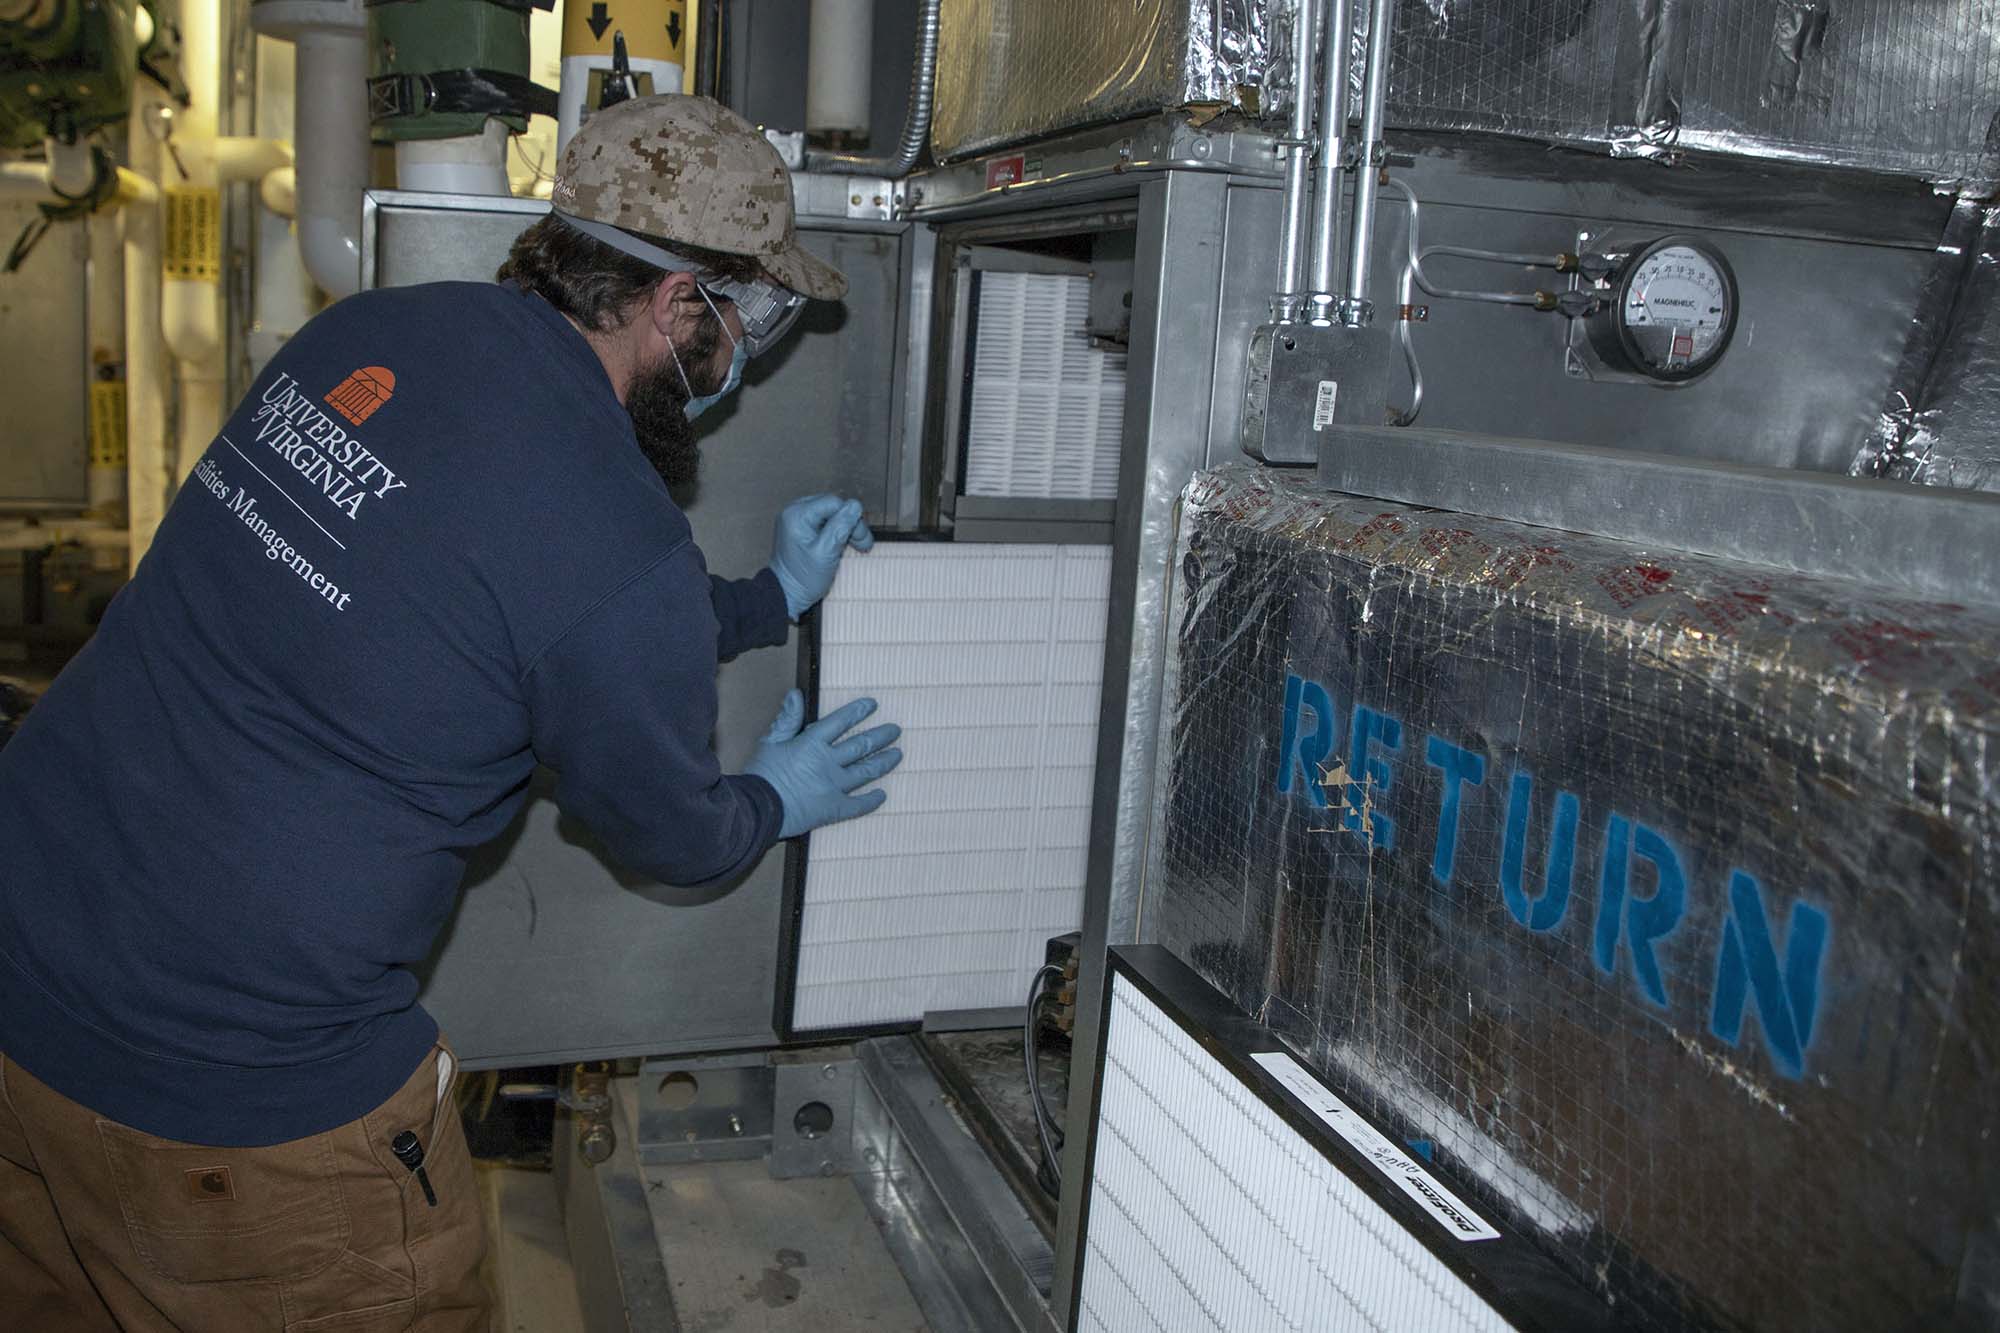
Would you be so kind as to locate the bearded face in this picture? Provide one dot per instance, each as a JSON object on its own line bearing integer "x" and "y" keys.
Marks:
{"x": 657, "y": 402}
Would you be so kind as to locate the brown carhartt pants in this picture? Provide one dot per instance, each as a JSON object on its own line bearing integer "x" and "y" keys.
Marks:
{"x": 104, "y": 1228}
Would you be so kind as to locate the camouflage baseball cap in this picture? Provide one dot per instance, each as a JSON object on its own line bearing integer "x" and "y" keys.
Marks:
{"x": 689, "y": 169}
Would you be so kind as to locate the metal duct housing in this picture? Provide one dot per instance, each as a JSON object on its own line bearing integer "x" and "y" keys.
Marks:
{"x": 1656, "y": 892}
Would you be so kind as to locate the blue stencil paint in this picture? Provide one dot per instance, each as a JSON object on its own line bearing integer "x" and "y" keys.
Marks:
{"x": 1647, "y": 920}
{"x": 1371, "y": 776}
{"x": 1547, "y": 911}
{"x": 1748, "y": 966}
{"x": 1462, "y": 768}
{"x": 1307, "y": 752}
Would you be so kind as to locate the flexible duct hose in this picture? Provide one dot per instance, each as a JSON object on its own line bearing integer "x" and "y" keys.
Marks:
{"x": 916, "y": 124}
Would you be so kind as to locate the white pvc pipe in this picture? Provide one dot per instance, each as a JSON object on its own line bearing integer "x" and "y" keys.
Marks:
{"x": 840, "y": 51}
{"x": 331, "y": 137}
{"x": 25, "y": 180}
{"x": 71, "y": 170}
{"x": 191, "y": 307}
{"x": 106, "y": 295}
{"x": 146, "y": 462}
{"x": 279, "y": 191}
{"x": 469, "y": 164}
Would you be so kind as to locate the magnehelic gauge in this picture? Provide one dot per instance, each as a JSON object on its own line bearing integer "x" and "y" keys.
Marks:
{"x": 1669, "y": 313}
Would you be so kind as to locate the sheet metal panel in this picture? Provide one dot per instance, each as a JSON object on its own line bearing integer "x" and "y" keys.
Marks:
{"x": 44, "y": 325}
{"x": 555, "y": 952}
{"x": 1656, "y": 890}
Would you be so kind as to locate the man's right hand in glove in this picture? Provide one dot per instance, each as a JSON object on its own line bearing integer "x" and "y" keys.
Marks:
{"x": 816, "y": 772}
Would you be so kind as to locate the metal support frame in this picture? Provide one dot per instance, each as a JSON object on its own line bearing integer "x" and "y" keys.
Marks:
{"x": 972, "y": 1254}
{"x": 1921, "y": 541}
{"x": 621, "y": 1277}
{"x": 1176, "y": 300}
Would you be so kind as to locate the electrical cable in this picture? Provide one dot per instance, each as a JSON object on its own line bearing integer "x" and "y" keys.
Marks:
{"x": 1045, "y": 1131}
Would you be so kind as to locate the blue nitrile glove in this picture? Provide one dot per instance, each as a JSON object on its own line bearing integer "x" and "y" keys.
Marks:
{"x": 806, "y": 548}
{"x": 815, "y": 770}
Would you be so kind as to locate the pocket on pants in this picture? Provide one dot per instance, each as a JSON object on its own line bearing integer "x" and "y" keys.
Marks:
{"x": 199, "y": 1214}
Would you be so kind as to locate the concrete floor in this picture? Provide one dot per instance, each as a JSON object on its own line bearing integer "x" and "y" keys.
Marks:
{"x": 745, "y": 1253}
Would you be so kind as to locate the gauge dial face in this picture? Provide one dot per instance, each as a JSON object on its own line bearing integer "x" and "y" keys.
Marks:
{"x": 1676, "y": 308}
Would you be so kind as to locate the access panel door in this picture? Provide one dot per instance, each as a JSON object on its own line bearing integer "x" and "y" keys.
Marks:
{"x": 556, "y": 953}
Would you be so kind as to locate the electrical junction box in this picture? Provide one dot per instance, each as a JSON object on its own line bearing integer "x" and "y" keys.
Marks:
{"x": 1304, "y": 378}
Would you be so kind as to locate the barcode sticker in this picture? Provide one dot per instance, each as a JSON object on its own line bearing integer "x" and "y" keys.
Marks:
{"x": 1403, "y": 1170}
{"x": 1323, "y": 404}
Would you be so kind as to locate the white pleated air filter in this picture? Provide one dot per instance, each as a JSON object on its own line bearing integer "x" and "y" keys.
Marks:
{"x": 1047, "y": 408}
{"x": 1208, "y": 1211}
{"x": 990, "y": 657}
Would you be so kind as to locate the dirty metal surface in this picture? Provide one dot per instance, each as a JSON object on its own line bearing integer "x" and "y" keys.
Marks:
{"x": 749, "y": 1254}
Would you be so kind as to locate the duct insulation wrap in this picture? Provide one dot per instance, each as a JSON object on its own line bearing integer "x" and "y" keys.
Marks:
{"x": 1941, "y": 424}
{"x": 1658, "y": 893}
{"x": 1881, "y": 85}
{"x": 1013, "y": 70}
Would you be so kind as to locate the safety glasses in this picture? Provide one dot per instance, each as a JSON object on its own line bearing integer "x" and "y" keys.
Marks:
{"x": 767, "y": 310}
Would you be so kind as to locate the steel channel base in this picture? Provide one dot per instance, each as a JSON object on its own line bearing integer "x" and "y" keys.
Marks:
{"x": 974, "y": 1258}
{"x": 1924, "y": 542}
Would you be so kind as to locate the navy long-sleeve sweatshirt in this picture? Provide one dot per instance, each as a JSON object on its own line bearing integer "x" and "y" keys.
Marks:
{"x": 424, "y": 553}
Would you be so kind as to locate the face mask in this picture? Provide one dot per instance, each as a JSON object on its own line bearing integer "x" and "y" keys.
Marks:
{"x": 739, "y": 356}
{"x": 737, "y": 360}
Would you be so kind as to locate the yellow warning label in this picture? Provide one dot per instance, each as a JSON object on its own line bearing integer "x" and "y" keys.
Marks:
{"x": 193, "y": 246}
{"x": 107, "y": 423}
{"x": 654, "y": 29}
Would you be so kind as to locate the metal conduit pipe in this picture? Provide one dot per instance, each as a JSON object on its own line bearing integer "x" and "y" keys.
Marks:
{"x": 1356, "y": 310}
{"x": 1298, "y": 163}
{"x": 1322, "y": 304}
{"x": 916, "y": 123}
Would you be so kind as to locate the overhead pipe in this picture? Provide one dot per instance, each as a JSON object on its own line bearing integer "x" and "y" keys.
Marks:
{"x": 146, "y": 369}
{"x": 1356, "y": 309}
{"x": 330, "y": 38}
{"x": 104, "y": 286}
{"x": 840, "y": 39}
{"x": 24, "y": 181}
{"x": 917, "y": 120}
{"x": 1298, "y": 143}
{"x": 1322, "y": 306}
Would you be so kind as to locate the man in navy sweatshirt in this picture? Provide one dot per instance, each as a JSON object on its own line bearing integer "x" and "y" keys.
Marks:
{"x": 433, "y": 547}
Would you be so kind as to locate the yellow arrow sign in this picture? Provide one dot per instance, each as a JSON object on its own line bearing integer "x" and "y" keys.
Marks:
{"x": 654, "y": 29}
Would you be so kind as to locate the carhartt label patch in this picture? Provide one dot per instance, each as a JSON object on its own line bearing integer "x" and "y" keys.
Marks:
{"x": 210, "y": 1184}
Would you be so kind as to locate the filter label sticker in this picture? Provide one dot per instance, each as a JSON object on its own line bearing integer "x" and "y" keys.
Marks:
{"x": 193, "y": 248}
{"x": 1402, "y": 1170}
{"x": 1323, "y": 402}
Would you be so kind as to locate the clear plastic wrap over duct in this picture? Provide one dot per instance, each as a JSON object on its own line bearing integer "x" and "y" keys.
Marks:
{"x": 1653, "y": 895}
{"x": 1941, "y": 425}
{"x": 1014, "y": 70}
{"x": 1881, "y": 85}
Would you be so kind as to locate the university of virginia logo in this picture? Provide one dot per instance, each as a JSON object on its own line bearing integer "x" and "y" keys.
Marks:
{"x": 360, "y": 394}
